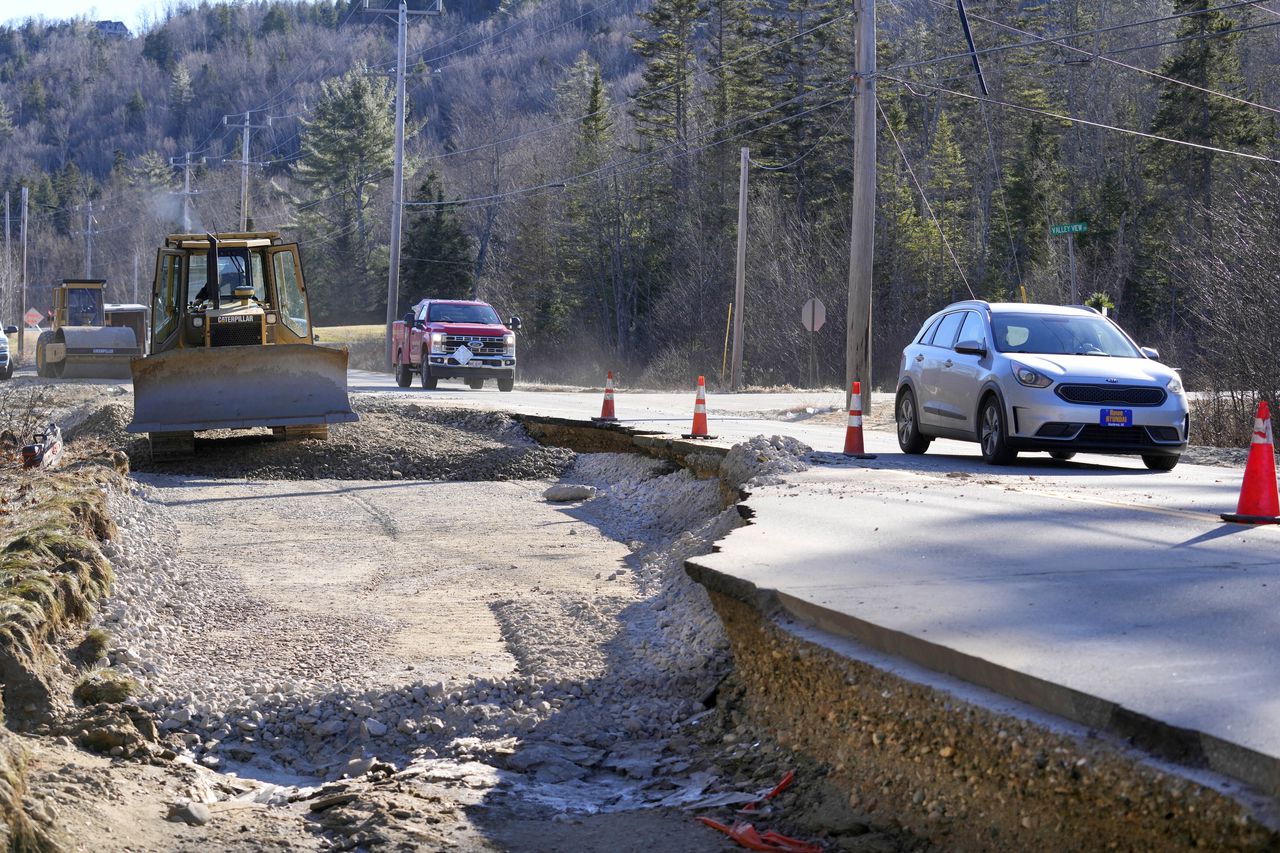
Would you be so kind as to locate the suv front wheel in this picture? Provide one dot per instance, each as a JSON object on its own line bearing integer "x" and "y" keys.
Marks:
{"x": 991, "y": 433}
{"x": 909, "y": 437}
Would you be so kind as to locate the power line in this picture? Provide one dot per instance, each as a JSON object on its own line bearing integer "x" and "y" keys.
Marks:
{"x": 925, "y": 198}
{"x": 632, "y": 99}
{"x": 1198, "y": 37}
{"x": 1046, "y": 41}
{"x": 611, "y": 170}
{"x": 1077, "y": 120}
{"x": 1105, "y": 58}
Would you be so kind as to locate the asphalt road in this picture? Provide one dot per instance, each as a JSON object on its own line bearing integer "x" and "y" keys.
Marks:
{"x": 1091, "y": 588}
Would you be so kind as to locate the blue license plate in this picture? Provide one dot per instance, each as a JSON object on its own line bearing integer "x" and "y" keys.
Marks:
{"x": 1116, "y": 417}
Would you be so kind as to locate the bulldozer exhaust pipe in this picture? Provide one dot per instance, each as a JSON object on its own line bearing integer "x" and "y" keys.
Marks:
{"x": 212, "y": 285}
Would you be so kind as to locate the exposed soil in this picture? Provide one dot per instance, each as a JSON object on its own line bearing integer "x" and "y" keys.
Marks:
{"x": 391, "y": 640}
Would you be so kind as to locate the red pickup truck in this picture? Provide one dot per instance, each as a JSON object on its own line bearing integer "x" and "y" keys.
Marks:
{"x": 454, "y": 338}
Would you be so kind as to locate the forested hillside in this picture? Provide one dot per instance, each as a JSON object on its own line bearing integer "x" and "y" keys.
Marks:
{"x": 577, "y": 163}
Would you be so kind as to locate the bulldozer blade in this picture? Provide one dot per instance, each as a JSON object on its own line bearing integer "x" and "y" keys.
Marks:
{"x": 281, "y": 385}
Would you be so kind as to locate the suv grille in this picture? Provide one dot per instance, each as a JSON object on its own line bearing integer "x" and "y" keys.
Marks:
{"x": 1127, "y": 395}
{"x": 1135, "y": 435}
{"x": 490, "y": 344}
{"x": 222, "y": 334}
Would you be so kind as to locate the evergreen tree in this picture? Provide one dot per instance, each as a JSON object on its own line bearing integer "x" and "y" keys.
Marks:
{"x": 1208, "y": 60}
{"x": 438, "y": 258}
{"x": 663, "y": 103}
{"x": 346, "y": 154}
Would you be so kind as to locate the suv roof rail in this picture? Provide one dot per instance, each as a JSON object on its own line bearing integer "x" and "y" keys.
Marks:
{"x": 976, "y": 303}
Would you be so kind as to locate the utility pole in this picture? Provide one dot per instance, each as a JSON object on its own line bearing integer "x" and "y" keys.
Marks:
{"x": 244, "y": 164}
{"x": 857, "y": 359}
{"x": 186, "y": 163}
{"x": 740, "y": 283}
{"x": 135, "y": 276}
{"x": 88, "y": 240}
{"x": 7, "y": 298}
{"x": 22, "y": 282}
{"x": 397, "y": 183}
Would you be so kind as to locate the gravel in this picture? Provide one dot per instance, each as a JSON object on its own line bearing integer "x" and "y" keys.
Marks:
{"x": 391, "y": 441}
{"x": 606, "y": 685}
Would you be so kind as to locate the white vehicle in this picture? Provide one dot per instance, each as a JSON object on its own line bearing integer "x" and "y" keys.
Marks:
{"x": 1018, "y": 377}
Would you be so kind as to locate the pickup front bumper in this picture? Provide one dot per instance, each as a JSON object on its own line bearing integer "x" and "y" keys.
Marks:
{"x": 479, "y": 367}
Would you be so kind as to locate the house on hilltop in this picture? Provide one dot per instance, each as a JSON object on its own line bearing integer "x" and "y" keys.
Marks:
{"x": 115, "y": 29}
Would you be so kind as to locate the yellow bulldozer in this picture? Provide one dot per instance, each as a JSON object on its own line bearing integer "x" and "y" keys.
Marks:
{"x": 232, "y": 346}
{"x": 87, "y": 339}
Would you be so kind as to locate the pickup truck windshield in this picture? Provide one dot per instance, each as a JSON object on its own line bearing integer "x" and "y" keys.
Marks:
{"x": 446, "y": 313}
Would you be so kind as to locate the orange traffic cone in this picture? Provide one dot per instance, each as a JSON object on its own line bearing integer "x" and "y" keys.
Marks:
{"x": 606, "y": 410}
{"x": 853, "y": 434}
{"x": 700, "y": 412}
{"x": 1259, "y": 500}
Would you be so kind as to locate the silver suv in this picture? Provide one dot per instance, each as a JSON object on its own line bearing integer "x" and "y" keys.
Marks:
{"x": 1017, "y": 377}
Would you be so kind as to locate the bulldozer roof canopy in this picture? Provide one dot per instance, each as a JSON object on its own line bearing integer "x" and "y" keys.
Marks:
{"x": 237, "y": 239}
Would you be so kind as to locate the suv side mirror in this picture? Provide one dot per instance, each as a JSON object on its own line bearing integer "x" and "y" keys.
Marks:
{"x": 971, "y": 348}
{"x": 11, "y": 330}
{"x": 514, "y": 323}
{"x": 1151, "y": 353}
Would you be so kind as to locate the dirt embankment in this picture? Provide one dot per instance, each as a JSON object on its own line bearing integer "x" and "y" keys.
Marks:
{"x": 52, "y": 576}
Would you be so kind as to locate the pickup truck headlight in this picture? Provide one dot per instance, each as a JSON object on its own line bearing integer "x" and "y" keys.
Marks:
{"x": 437, "y": 341}
{"x": 509, "y": 341}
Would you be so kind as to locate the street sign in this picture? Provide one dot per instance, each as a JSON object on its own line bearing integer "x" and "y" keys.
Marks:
{"x": 1072, "y": 228}
{"x": 813, "y": 315}
{"x": 33, "y": 317}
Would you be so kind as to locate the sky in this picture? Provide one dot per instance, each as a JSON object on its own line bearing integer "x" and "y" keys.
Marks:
{"x": 133, "y": 12}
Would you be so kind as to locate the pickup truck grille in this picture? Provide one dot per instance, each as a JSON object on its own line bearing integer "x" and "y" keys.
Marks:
{"x": 243, "y": 334}
{"x": 490, "y": 344}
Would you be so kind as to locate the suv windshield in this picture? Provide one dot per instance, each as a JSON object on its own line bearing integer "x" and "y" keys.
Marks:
{"x": 446, "y": 313}
{"x": 1057, "y": 334}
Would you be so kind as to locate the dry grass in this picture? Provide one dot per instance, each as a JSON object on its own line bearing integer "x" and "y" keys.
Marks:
{"x": 104, "y": 685}
{"x": 351, "y": 334}
{"x": 366, "y": 345}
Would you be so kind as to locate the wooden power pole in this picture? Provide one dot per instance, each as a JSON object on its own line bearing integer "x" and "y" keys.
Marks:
{"x": 740, "y": 283}
{"x": 862, "y": 241}
{"x": 397, "y": 182}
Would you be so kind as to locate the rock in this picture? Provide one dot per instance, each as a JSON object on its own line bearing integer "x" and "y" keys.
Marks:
{"x": 331, "y": 800}
{"x": 359, "y": 766}
{"x": 569, "y": 492}
{"x": 374, "y": 727}
{"x": 193, "y": 814}
{"x": 330, "y": 727}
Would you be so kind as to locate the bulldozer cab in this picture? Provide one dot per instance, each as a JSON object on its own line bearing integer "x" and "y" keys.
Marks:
{"x": 248, "y": 292}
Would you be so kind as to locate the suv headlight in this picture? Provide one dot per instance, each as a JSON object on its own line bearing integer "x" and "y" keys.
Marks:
{"x": 1031, "y": 378}
{"x": 1174, "y": 385}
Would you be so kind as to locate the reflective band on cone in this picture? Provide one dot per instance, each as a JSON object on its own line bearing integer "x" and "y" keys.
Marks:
{"x": 700, "y": 413}
{"x": 853, "y": 433}
{"x": 854, "y": 430}
{"x": 1259, "y": 500}
{"x": 606, "y": 410}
